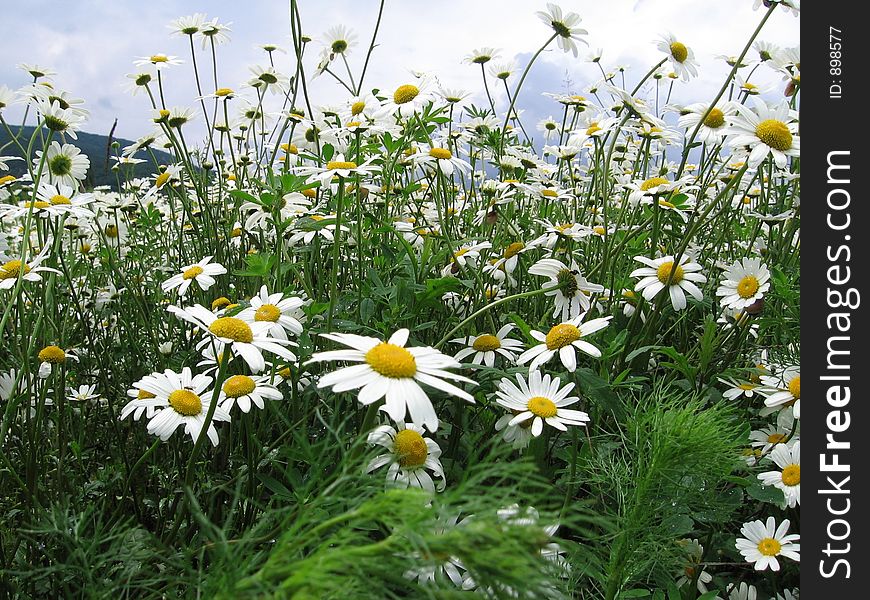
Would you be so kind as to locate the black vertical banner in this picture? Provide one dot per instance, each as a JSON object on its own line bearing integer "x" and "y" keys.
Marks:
{"x": 835, "y": 257}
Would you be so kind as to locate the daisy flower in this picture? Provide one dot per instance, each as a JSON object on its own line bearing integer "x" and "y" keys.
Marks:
{"x": 247, "y": 340}
{"x": 339, "y": 39}
{"x": 682, "y": 58}
{"x": 481, "y": 56}
{"x": 58, "y": 119}
{"x": 692, "y": 566}
{"x": 441, "y": 159}
{"x": 410, "y": 98}
{"x": 714, "y": 126}
{"x": 764, "y": 542}
{"x": 565, "y": 26}
{"x": 661, "y": 273}
{"x": 788, "y": 478}
{"x": 182, "y": 399}
{"x": 158, "y": 61}
{"x": 742, "y": 592}
{"x": 768, "y": 130}
{"x": 244, "y": 391}
{"x": 50, "y": 356}
{"x": 202, "y": 273}
{"x": 540, "y": 400}
{"x": 283, "y": 312}
{"x": 409, "y": 455}
{"x": 338, "y": 166}
{"x": 568, "y": 287}
{"x": 564, "y": 339}
{"x": 391, "y": 371}
{"x": 738, "y": 389}
{"x": 768, "y": 437}
{"x": 84, "y": 393}
{"x": 745, "y": 283}
{"x": 485, "y": 346}
{"x": 64, "y": 164}
{"x": 267, "y": 78}
{"x": 784, "y": 390}
{"x": 28, "y": 271}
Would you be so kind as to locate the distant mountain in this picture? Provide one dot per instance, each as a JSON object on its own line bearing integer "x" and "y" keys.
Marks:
{"x": 96, "y": 147}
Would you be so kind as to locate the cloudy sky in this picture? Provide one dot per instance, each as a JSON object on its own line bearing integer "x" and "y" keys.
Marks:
{"x": 92, "y": 44}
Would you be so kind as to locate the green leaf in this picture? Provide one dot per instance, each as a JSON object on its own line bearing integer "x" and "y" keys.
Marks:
{"x": 636, "y": 593}
{"x": 327, "y": 151}
{"x": 763, "y": 493}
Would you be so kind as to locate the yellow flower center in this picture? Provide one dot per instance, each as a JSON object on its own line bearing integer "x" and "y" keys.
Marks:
{"x": 593, "y": 128}
{"x": 353, "y": 124}
{"x": 775, "y": 438}
{"x": 405, "y": 93}
{"x": 58, "y": 199}
{"x": 161, "y": 179}
{"x": 238, "y": 386}
{"x": 549, "y": 193}
{"x": 410, "y": 447}
{"x": 542, "y": 407}
{"x": 562, "y": 335}
{"x": 159, "y": 58}
{"x": 37, "y": 204}
{"x": 769, "y": 547}
{"x": 664, "y": 273}
{"x": 486, "y": 343}
{"x": 599, "y": 229}
{"x": 715, "y": 119}
{"x": 144, "y": 395}
{"x": 193, "y": 272}
{"x": 220, "y": 303}
{"x": 222, "y": 92}
{"x": 13, "y": 268}
{"x": 666, "y": 204}
{"x": 794, "y": 387}
{"x": 747, "y": 287}
{"x": 746, "y": 386}
{"x": 679, "y": 51}
{"x": 513, "y": 249}
{"x": 6, "y": 179}
{"x": 185, "y": 403}
{"x": 268, "y": 312}
{"x": 52, "y": 354}
{"x": 791, "y": 475}
{"x": 441, "y": 153}
{"x": 357, "y": 107}
{"x": 653, "y": 182}
{"x": 392, "y": 361}
{"x": 340, "y": 164}
{"x": 775, "y": 134}
{"x": 233, "y": 329}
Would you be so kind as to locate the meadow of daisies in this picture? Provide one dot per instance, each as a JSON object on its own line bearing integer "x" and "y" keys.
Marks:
{"x": 399, "y": 343}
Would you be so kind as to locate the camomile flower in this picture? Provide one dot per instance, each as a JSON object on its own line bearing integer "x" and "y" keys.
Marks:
{"x": 764, "y": 542}
{"x": 714, "y": 126}
{"x": 243, "y": 390}
{"x": 565, "y": 26}
{"x": 682, "y": 58}
{"x": 339, "y": 39}
{"x": 466, "y": 255}
{"x": 693, "y": 570}
{"x": 84, "y": 393}
{"x": 64, "y": 164}
{"x": 410, "y": 98}
{"x": 436, "y": 568}
{"x": 745, "y": 283}
{"x": 247, "y": 340}
{"x": 568, "y": 287}
{"x": 739, "y": 389}
{"x": 391, "y": 371}
{"x": 181, "y": 399}
{"x": 50, "y": 356}
{"x": 564, "y": 339}
{"x": 768, "y": 437}
{"x": 661, "y": 273}
{"x": 484, "y": 347}
{"x": 409, "y": 455}
{"x": 268, "y": 78}
{"x": 768, "y": 130}
{"x": 540, "y": 400}
{"x": 441, "y": 159}
{"x": 59, "y": 119}
{"x": 36, "y": 71}
{"x": 187, "y": 25}
{"x": 742, "y": 592}
{"x": 517, "y": 435}
{"x": 783, "y": 390}
{"x": 158, "y": 61}
{"x": 284, "y": 312}
{"x": 27, "y": 270}
{"x": 788, "y": 478}
{"x": 214, "y": 32}
{"x": 503, "y": 69}
{"x": 337, "y": 167}
{"x": 202, "y": 273}
{"x": 481, "y": 56}
{"x": 548, "y": 126}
